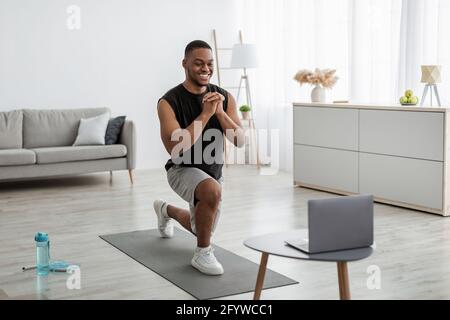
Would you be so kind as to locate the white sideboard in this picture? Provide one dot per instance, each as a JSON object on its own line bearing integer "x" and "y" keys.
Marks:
{"x": 398, "y": 154}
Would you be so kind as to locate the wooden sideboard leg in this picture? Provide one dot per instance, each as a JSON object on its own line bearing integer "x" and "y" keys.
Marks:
{"x": 130, "y": 172}
{"x": 344, "y": 286}
{"x": 261, "y": 275}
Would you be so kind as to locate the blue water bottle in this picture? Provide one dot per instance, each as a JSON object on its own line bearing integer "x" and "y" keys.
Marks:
{"x": 42, "y": 253}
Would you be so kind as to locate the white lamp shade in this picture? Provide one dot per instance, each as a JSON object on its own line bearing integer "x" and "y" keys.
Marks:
{"x": 244, "y": 56}
{"x": 431, "y": 74}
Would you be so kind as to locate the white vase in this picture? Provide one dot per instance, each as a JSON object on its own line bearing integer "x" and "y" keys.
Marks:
{"x": 318, "y": 94}
{"x": 245, "y": 115}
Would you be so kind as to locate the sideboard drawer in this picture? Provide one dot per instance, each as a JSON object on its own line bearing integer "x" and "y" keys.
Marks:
{"x": 334, "y": 169}
{"x": 326, "y": 127}
{"x": 413, "y": 181}
{"x": 403, "y": 133}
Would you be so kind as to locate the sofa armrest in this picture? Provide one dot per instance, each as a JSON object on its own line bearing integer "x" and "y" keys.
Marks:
{"x": 128, "y": 138}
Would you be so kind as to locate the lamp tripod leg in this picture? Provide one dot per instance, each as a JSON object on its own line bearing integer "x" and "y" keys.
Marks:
{"x": 253, "y": 132}
{"x": 249, "y": 96}
{"x": 437, "y": 95}
{"x": 424, "y": 96}
{"x": 239, "y": 89}
{"x": 431, "y": 96}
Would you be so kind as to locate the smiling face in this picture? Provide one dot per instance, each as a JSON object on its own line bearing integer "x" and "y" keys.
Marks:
{"x": 199, "y": 66}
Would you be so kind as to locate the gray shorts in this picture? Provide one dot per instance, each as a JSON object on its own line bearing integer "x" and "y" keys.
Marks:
{"x": 184, "y": 181}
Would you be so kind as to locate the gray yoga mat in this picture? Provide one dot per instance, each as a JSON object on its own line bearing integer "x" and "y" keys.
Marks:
{"x": 171, "y": 259}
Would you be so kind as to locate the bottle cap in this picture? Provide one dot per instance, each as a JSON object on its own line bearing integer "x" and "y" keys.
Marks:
{"x": 41, "y": 237}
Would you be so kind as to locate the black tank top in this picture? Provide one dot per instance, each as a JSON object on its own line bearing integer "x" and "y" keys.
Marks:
{"x": 187, "y": 107}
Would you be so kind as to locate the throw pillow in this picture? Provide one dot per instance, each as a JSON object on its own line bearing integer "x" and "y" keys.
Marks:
{"x": 92, "y": 130}
{"x": 114, "y": 128}
{"x": 11, "y": 129}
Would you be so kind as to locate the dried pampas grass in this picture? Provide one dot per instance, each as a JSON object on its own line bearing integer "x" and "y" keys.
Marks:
{"x": 326, "y": 77}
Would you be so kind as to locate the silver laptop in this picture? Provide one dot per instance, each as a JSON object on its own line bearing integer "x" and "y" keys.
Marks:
{"x": 337, "y": 224}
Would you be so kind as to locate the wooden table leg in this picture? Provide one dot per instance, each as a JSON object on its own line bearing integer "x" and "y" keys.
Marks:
{"x": 261, "y": 275}
{"x": 130, "y": 172}
{"x": 344, "y": 286}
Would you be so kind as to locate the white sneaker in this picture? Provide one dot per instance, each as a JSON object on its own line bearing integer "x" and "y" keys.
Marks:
{"x": 165, "y": 225}
{"x": 205, "y": 261}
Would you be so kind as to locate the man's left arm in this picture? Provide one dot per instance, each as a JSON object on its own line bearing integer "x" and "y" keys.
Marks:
{"x": 230, "y": 122}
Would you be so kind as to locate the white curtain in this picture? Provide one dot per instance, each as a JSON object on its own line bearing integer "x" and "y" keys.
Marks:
{"x": 377, "y": 47}
{"x": 425, "y": 34}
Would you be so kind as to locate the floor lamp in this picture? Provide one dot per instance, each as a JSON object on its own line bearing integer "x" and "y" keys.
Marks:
{"x": 430, "y": 76}
{"x": 244, "y": 57}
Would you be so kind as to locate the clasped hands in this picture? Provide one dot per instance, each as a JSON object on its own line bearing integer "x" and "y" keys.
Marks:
{"x": 213, "y": 103}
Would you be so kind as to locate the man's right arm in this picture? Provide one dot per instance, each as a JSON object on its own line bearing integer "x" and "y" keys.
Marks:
{"x": 170, "y": 127}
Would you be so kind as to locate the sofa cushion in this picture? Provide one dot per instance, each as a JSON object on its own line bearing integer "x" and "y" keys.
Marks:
{"x": 79, "y": 153}
{"x": 92, "y": 131}
{"x": 54, "y": 128}
{"x": 114, "y": 129}
{"x": 17, "y": 157}
{"x": 11, "y": 129}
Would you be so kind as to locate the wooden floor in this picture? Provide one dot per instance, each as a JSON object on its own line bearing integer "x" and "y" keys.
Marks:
{"x": 413, "y": 248}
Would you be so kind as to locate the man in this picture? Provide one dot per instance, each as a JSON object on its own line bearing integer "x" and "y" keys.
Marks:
{"x": 196, "y": 111}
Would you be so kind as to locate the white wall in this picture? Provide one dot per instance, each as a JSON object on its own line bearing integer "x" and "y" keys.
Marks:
{"x": 126, "y": 55}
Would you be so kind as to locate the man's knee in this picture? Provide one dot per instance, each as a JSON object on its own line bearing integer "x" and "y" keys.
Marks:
{"x": 209, "y": 192}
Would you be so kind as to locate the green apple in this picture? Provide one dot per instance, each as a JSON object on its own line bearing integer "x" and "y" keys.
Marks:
{"x": 409, "y": 93}
{"x": 403, "y": 100}
{"x": 414, "y": 100}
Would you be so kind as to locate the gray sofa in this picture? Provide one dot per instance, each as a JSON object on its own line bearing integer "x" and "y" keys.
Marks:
{"x": 38, "y": 143}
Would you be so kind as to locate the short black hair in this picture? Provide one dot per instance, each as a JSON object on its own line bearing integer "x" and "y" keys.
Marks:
{"x": 196, "y": 44}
